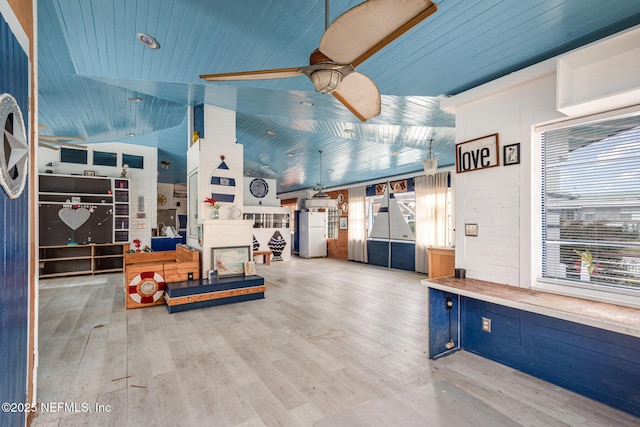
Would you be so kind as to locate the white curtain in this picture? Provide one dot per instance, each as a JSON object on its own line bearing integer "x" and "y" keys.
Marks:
{"x": 357, "y": 215}
{"x": 431, "y": 215}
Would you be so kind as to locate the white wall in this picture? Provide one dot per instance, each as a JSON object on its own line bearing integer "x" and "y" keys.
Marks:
{"x": 504, "y": 201}
{"x": 497, "y": 199}
{"x": 142, "y": 181}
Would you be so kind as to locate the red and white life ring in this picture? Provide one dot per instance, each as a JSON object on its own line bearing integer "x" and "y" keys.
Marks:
{"x": 146, "y": 288}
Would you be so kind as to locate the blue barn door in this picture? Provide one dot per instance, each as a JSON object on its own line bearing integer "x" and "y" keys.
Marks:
{"x": 14, "y": 224}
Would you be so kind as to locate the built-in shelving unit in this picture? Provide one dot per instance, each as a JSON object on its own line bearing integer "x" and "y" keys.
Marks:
{"x": 83, "y": 209}
{"x": 332, "y": 223}
{"x": 75, "y": 260}
{"x": 84, "y": 224}
{"x": 121, "y": 199}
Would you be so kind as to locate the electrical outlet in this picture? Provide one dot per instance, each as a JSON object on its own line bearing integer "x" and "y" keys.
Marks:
{"x": 448, "y": 303}
{"x": 486, "y": 324}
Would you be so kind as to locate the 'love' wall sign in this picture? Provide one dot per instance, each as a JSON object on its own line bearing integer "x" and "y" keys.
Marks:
{"x": 479, "y": 153}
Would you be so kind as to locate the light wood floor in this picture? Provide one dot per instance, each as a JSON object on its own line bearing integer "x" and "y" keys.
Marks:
{"x": 333, "y": 344}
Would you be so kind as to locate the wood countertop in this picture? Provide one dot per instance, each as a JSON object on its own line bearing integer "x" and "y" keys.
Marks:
{"x": 625, "y": 320}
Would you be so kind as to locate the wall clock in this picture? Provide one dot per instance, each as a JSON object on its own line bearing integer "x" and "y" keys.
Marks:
{"x": 258, "y": 188}
{"x": 162, "y": 199}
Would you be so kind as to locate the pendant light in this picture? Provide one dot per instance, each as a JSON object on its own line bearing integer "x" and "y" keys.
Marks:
{"x": 430, "y": 164}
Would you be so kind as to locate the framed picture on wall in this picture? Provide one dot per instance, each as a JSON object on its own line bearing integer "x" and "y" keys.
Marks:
{"x": 344, "y": 222}
{"x": 511, "y": 154}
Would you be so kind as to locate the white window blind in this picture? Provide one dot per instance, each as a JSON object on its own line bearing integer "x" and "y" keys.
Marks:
{"x": 591, "y": 203}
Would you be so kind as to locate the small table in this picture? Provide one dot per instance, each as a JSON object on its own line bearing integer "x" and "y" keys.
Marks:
{"x": 266, "y": 256}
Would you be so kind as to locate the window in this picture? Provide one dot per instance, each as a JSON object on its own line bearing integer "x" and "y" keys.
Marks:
{"x": 591, "y": 203}
{"x": 103, "y": 158}
{"x": 135, "y": 162}
{"x": 406, "y": 203}
{"x": 71, "y": 155}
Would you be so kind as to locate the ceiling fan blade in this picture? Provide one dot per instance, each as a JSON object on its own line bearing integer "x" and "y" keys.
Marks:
{"x": 50, "y": 147}
{"x": 368, "y": 27}
{"x": 278, "y": 73}
{"x": 66, "y": 144}
{"x": 62, "y": 138}
{"x": 360, "y": 95}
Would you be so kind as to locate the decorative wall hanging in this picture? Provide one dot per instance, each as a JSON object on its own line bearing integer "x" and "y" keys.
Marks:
{"x": 222, "y": 184}
{"x": 14, "y": 152}
{"x": 146, "y": 288}
{"x": 74, "y": 218}
{"x": 344, "y": 221}
{"x": 258, "y": 188}
{"x": 479, "y": 153}
{"x": 511, "y": 154}
{"x": 277, "y": 244}
{"x": 256, "y": 244}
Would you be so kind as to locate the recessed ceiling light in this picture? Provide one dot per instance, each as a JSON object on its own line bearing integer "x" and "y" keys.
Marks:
{"x": 271, "y": 132}
{"x": 135, "y": 99}
{"x": 395, "y": 153}
{"x": 148, "y": 41}
{"x": 265, "y": 166}
{"x": 131, "y": 134}
{"x": 330, "y": 170}
{"x": 307, "y": 103}
{"x": 291, "y": 155}
{"x": 348, "y": 131}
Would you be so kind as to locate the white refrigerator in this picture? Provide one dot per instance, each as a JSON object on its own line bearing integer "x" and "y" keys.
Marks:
{"x": 312, "y": 228}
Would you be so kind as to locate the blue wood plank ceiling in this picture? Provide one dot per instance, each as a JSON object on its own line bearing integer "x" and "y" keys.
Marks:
{"x": 90, "y": 63}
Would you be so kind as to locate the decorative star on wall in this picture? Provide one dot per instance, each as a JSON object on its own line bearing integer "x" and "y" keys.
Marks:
{"x": 18, "y": 150}
{"x": 14, "y": 150}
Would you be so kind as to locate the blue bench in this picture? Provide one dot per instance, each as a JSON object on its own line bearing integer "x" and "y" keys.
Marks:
{"x": 192, "y": 294}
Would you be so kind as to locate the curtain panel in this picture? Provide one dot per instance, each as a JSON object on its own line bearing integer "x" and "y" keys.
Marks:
{"x": 431, "y": 215}
{"x": 357, "y": 214}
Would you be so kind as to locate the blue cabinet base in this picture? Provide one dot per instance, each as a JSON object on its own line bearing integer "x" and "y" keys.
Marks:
{"x": 403, "y": 254}
{"x": 594, "y": 362}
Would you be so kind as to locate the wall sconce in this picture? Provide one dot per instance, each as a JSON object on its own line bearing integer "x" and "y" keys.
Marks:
{"x": 430, "y": 164}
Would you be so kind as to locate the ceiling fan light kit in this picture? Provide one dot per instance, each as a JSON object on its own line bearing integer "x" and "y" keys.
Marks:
{"x": 345, "y": 44}
{"x": 326, "y": 81}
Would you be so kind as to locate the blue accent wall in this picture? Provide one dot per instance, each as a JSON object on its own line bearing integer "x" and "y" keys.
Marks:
{"x": 594, "y": 362}
{"x": 14, "y": 247}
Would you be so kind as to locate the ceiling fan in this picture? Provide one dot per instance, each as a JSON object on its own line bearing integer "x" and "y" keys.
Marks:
{"x": 53, "y": 142}
{"x": 352, "y": 38}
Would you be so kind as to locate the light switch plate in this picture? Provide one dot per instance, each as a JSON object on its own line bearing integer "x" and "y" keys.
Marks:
{"x": 471, "y": 230}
